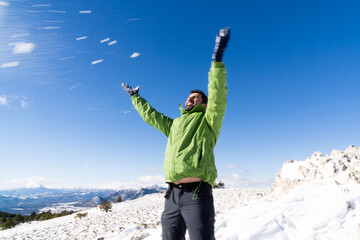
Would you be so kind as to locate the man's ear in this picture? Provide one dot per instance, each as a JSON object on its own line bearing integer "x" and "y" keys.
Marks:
{"x": 204, "y": 104}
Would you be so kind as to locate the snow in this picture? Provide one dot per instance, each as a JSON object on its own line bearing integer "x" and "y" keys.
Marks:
{"x": 49, "y": 28}
{"x": 3, "y": 102}
{"x": 112, "y": 42}
{"x": 134, "y": 55}
{"x": 9, "y": 64}
{"x": 23, "y": 103}
{"x": 22, "y": 47}
{"x": 105, "y": 40}
{"x": 85, "y": 12}
{"x": 56, "y": 11}
{"x": 81, "y": 38}
{"x": 65, "y": 58}
{"x": 20, "y": 35}
{"x": 139, "y": 217}
{"x": 310, "y": 211}
{"x": 52, "y": 21}
{"x": 34, "y": 11}
{"x": 41, "y": 5}
{"x": 73, "y": 87}
{"x": 340, "y": 167}
{"x": 318, "y": 198}
{"x": 97, "y": 61}
{"x": 5, "y": 4}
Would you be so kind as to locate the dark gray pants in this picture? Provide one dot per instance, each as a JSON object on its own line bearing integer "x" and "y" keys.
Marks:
{"x": 182, "y": 212}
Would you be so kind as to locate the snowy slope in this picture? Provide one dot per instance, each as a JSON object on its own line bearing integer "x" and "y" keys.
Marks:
{"x": 318, "y": 198}
{"x": 139, "y": 217}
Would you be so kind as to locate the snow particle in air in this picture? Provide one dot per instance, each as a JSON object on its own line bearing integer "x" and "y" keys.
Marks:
{"x": 81, "y": 38}
{"x": 41, "y": 5}
{"x": 65, "y": 58}
{"x": 73, "y": 87}
{"x": 24, "y": 103}
{"x": 49, "y": 21}
{"x": 49, "y": 28}
{"x": 35, "y": 11}
{"x": 97, "y": 61}
{"x": 112, "y": 42}
{"x": 105, "y": 40}
{"x": 20, "y": 35}
{"x": 3, "y": 101}
{"x": 22, "y": 47}
{"x": 134, "y": 55}
{"x": 9, "y": 64}
{"x": 55, "y": 11}
{"x": 5, "y": 4}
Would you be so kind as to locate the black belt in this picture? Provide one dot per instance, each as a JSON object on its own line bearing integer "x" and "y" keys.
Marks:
{"x": 187, "y": 187}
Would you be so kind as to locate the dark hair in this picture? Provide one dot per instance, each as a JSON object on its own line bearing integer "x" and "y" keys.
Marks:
{"x": 203, "y": 95}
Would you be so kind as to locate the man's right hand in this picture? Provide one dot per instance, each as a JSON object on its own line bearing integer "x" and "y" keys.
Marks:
{"x": 131, "y": 91}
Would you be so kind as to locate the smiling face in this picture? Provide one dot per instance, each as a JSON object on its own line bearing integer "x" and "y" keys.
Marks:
{"x": 192, "y": 100}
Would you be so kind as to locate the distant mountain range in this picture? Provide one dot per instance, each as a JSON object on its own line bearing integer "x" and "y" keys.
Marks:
{"x": 28, "y": 200}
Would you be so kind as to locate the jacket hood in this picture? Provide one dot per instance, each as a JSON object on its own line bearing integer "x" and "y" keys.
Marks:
{"x": 196, "y": 108}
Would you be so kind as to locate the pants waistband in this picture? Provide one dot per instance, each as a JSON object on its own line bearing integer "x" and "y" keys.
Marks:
{"x": 188, "y": 186}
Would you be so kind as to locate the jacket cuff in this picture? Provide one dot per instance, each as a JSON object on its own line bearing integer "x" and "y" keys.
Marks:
{"x": 134, "y": 95}
{"x": 217, "y": 64}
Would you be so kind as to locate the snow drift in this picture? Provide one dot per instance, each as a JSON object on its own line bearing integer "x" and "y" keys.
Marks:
{"x": 340, "y": 167}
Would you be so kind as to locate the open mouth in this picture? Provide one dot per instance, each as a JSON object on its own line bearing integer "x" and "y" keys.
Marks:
{"x": 189, "y": 104}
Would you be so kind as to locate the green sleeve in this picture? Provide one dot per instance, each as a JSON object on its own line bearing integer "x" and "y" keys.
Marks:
{"x": 151, "y": 116}
{"x": 217, "y": 90}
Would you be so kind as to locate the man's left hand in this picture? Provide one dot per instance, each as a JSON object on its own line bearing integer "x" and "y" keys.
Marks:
{"x": 220, "y": 44}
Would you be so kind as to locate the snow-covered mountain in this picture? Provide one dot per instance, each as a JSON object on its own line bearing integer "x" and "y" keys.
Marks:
{"x": 318, "y": 198}
{"x": 27, "y": 200}
{"x": 125, "y": 194}
{"x": 30, "y": 192}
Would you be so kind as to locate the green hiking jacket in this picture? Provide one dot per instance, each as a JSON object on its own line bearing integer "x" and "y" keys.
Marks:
{"x": 193, "y": 135}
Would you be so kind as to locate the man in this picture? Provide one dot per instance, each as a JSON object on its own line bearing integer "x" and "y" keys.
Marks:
{"x": 189, "y": 159}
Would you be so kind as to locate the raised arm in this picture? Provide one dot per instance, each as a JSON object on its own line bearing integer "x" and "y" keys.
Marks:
{"x": 217, "y": 88}
{"x": 148, "y": 113}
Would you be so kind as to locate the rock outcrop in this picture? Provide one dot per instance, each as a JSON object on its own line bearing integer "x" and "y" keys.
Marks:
{"x": 340, "y": 167}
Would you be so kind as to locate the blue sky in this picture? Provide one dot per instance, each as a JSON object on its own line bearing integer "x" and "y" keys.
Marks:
{"x": 293, "y": 78}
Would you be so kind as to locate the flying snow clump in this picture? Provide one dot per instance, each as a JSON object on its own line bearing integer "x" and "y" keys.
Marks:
{"x": 97, "y": 61}
{"x": 9, "y": 64}
{"x": 3, "y": 101}
{"x": 134, "y": 55}
{"x": 5, "y": 4}
{"x": 22, "y": 47}
{"x": 81, "y": 38}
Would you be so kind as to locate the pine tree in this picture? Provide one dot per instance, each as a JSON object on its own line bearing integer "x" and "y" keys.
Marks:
{"x": 106, "y": 205}
{"x": 219, "y": 185}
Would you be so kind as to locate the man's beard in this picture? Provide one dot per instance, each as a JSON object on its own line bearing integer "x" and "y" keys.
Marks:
{"x": 189, "y": 107}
